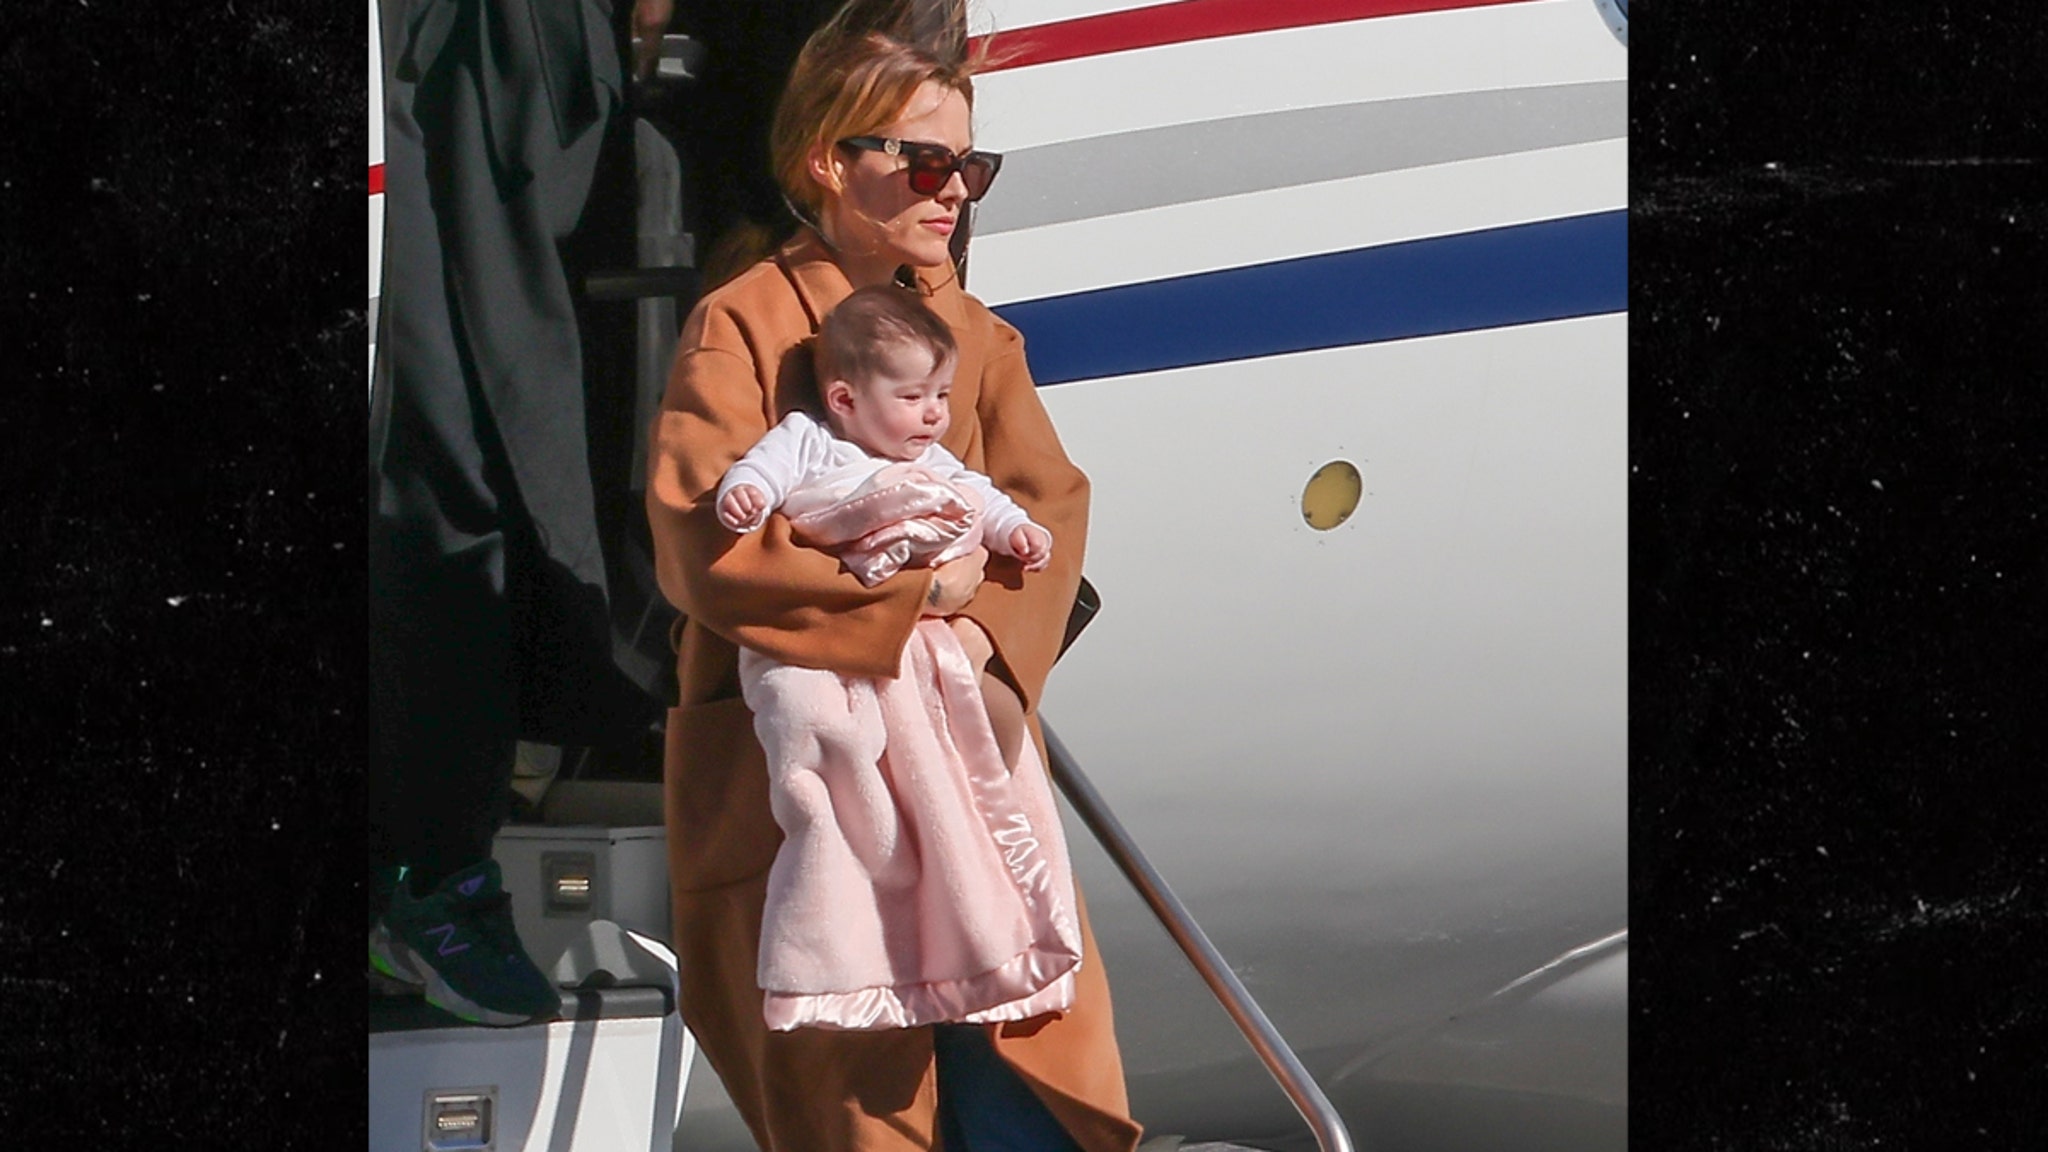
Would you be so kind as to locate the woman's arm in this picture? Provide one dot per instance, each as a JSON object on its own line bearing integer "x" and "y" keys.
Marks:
{"x": 762, "y": 590}
{"x": 1025, "y": 616}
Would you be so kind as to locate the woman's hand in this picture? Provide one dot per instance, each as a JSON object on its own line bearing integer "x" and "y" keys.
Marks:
{"x": 975, "y": 642}
{"x": 650, "y": 23}
{"x": 954, "y": 583}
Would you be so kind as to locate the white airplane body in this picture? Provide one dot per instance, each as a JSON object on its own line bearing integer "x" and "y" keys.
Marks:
{"x": 1384, "y": 763}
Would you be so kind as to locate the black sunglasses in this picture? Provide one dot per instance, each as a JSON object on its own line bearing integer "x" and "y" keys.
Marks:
{"x": 932, "y": 165}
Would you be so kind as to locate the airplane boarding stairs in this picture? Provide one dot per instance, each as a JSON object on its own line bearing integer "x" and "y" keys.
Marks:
{"x": 590, "y": 898}
{"x": 607, "y": 1076}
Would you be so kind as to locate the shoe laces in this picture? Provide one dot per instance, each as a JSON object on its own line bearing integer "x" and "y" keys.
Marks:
{"x": 491, "y": 916}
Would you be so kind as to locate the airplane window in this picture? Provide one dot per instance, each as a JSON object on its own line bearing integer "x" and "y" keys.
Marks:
{"x": 1332, "y": 495}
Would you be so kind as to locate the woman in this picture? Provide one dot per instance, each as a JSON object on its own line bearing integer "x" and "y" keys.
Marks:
{"x": 1052, "y": 1082}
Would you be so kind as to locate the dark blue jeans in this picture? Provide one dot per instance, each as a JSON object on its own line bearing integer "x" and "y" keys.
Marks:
{"x": 983, "y": 1105}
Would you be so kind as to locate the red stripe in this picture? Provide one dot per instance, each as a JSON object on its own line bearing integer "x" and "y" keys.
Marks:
{"x": 376, "y": 179}
{"x": 1186, "y": 20}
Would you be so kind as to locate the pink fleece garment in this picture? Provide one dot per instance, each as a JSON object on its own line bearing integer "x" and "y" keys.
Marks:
{"x": 919, "y": 881}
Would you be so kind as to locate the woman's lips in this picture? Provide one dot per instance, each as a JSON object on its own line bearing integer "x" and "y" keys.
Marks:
{"x": 942, "y": 225}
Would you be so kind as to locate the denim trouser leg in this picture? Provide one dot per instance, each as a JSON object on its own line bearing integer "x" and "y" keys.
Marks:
{"x": 983, "y": 1105}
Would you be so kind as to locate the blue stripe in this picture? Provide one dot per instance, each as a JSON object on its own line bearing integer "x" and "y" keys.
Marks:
{"x": 1523, "y": 274}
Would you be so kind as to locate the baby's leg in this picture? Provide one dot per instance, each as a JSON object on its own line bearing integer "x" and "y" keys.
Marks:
{"x": 1006, "y": 716}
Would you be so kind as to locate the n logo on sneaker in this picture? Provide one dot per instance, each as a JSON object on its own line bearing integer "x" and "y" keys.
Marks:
{"x": 447, "y": 932}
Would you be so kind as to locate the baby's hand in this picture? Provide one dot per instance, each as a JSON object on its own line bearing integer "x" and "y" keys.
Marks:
{"x": 741, "y": 506}
{"x": 1032, "y": 545}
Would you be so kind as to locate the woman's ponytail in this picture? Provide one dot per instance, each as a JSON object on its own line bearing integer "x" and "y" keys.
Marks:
{"x": 742, "y": 246}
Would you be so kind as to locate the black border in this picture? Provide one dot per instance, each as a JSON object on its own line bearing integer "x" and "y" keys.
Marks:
{"x": 182, "y": 193}
{"x": 1838, "y": 229}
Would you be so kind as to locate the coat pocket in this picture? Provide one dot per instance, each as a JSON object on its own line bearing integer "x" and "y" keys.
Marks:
{"x": 720, "y": 828}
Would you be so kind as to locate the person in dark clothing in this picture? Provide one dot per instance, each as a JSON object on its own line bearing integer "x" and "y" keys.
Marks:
{"x": 748, "y": 51}
{"x": 488, "y": 620}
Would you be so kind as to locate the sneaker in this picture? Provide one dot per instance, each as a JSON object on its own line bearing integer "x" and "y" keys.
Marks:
{"x": 458, "y": 946}
{"x": 388, "y": 975}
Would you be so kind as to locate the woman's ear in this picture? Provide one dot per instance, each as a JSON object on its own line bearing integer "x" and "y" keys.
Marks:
{"x": 824, "y": 165}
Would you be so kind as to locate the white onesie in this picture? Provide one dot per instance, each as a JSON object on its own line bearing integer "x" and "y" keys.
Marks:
{"x": 801, "y": 453}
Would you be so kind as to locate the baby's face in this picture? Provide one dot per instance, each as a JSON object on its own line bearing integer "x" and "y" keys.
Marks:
{"x": 900, "y": 411}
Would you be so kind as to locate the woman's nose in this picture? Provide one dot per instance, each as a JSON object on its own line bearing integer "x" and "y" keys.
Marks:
{"x": 954, "y": 193}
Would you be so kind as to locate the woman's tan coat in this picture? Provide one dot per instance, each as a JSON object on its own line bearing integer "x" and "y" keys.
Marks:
{"x": 743, "y": 358}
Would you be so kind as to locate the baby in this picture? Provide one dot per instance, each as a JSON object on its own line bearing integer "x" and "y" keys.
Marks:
{"x": 922, "y": 876}
{"x": 885, "y": 363}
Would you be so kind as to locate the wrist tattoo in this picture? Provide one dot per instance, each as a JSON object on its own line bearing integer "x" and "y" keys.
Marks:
{"x": 932, "y": 597}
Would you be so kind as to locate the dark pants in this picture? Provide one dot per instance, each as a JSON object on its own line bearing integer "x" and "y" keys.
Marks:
{"x": 984, "y": 1106}
{"x": 488, "y": 612}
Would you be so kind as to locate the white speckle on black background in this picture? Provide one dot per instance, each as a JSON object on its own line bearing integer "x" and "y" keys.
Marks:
{"x": 175, "y": 353}
{"x": 1835, "y": 276}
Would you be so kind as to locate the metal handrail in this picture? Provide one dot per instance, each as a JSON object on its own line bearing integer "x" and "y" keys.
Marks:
{"x": 1280, "y": 1060}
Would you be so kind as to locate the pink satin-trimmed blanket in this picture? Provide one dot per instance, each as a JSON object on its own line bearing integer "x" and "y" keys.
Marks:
{"x": 919, "y": 880}
{"x": 902, "y": 516}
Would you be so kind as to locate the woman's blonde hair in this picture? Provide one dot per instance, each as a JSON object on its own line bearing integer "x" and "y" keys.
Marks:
{"x": 855, "y": 74}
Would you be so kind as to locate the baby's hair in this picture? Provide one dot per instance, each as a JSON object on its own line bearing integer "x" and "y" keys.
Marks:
{"x": 856, "y": 339}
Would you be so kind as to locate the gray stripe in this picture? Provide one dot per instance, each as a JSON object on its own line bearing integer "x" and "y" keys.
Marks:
{"x": 1154, "y": 167}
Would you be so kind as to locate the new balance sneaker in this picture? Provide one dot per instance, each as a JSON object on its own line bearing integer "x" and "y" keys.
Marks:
{"x": 384, "y": 971}
{"x": 458, "y": 946}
